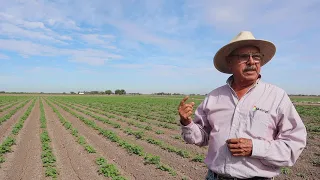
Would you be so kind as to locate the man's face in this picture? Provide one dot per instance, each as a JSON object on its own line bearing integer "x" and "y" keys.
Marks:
{"x": 245, "y": 63}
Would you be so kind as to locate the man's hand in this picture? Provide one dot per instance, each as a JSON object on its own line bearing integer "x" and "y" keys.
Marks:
{"x": 240, "y": 146}
{"x": 185, "y": 111}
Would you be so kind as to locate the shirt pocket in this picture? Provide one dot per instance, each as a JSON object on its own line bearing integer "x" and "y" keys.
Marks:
{"x": 259, "y": 125}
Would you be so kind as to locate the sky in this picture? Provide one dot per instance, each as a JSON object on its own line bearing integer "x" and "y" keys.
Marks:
{"x": 151, "y": 45}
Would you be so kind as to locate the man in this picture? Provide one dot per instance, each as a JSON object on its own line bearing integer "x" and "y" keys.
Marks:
{"x": 251, "y": 127}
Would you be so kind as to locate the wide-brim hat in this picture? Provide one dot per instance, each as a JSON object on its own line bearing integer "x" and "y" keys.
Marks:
{"x": 244, "y": 38}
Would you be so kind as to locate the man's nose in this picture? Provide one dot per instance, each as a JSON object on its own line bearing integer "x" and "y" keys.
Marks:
{"x": 250, "y": 60}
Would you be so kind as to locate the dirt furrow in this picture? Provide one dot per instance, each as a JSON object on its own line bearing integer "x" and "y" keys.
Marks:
{"x": 169, "y": 132}
{"x": 6, "y": 127}
{"x": 9, "y": 109}
{"x": 73, "y": 162}
{"x": 25, "y": 161}
{"x": 129, "y": 163}
{"x": 163, "y": 137}
{"x": 191, "y": 169}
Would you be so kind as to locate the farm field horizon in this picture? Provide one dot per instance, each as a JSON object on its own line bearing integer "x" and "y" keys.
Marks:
{"x": 116, "y": 137}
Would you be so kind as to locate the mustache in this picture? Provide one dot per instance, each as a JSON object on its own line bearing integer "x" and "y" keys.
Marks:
{"x": 249, "y": 68}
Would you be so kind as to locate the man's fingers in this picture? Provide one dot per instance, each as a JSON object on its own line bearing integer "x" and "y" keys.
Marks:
{"x": 238, "y": 154}
{"x": 189, "y": 113}
{"x": 234, "y": 146}
{"x": 187, "y": 108}
{"x": 187, "y": 105}
{"x": 233, "y": 141}
{"x": 236, "y": 151}
{"x": 184, "y": 100}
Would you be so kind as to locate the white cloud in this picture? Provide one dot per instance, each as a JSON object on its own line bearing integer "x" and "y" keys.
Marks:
{"x": 42, "y": 69}
{"x": 27, "y": 48}
{"x": 99, "y": 39}
{"x": 14, "y": 32}
{"x": 2, "y": 56}
{"x": 26, "y": 24}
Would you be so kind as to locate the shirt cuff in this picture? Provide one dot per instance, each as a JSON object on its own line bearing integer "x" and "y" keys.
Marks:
{"x": 259, "y": 148}
{"x": 187, "y": 127}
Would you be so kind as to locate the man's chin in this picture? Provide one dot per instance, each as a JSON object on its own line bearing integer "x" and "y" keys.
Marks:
{"x": 250, "y": 75}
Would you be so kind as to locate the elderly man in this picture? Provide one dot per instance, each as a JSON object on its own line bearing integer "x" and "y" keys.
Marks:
{"x": 251, "y": 127}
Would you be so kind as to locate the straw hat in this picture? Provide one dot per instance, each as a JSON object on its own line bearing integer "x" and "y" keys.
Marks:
{"x": 242, "y": 39}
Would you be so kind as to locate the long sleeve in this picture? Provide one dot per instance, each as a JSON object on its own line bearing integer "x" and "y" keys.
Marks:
{"x": 197, "y": 132}
{"x": 290, "y": 140}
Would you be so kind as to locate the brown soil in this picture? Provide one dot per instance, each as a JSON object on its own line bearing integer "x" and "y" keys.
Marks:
{"x": 6, "y": 105}
{"x": 129, "y": 163}
{"x": 191, "y": 169}
{"x": 163, "y": 137}
{"x": 6, "y": 127}
{"x": 73, "y": 162}
{"x": 167, "y": 132}
{"x": 25, "y": 161}
{"x": 10, "y": 109}
{"x": 307, "y": 104}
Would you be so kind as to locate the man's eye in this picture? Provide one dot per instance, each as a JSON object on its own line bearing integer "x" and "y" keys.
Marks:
{"x": 257, "y": 56}
{"x": 244, "y": 56}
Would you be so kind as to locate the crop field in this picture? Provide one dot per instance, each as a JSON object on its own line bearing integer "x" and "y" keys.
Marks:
{"x": 115, "y": 137}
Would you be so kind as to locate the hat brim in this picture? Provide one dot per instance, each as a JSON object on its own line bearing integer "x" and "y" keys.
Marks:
{"x": 266, "y": 47}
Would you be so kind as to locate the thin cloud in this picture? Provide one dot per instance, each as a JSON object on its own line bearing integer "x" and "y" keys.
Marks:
{"x": 13, "y": 31}
{"x": 103, "y": 40}
{"x": 2, "y": 56}
{"x": 27, "y": 48}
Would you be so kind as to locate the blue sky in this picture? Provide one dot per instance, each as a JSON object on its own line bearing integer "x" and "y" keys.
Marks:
{"x": 152, "y": 45}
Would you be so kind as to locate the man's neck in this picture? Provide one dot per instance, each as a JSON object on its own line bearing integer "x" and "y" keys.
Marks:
{"x": 240, "y": 85}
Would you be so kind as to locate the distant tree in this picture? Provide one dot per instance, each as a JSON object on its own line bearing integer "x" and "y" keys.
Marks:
{"x": 94, "y": 92}
{"x": 108, "y": 92}
{"x": 2, "y": 92}
{"x": 72, "y": 92}
{"x": 64, "y": 93}
{"x": 120, "y": 91}
{"x": 117, "y": 91}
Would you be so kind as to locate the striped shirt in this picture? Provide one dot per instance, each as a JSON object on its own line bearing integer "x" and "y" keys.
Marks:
{"x": 264, "y": 114}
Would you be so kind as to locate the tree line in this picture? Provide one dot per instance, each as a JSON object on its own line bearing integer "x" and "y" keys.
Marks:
{"x": 108, "y": 92}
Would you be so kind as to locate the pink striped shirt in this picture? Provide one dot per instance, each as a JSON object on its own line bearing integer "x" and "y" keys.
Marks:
{"x": 264, "y": 114}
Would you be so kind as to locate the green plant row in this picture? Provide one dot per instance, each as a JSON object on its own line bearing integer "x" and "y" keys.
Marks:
{"x": 130, "y": 122}
{"x": 112, "y": 136}
{"x": 137, "y": 117}
{"x": 68, "y": 126}
{"x": 108, "y": 170}
{"x": 47, "y": 156}
{"x": 161, "y": 144}
{"x": 140, "y": 135}
{"x": 81, "y": 140}
{"x": 5, "y": 147}
{"x": 19, "y": 125}
{"x": 129, "y": 110}
{"x": 104, "y": 120}
{"x": 136, "y": 124}
{"x": 7, "y": 107}
{"x": 12, "y": 112}
{"x": 11, "y": 103}
{"x": 143, "y": 118}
